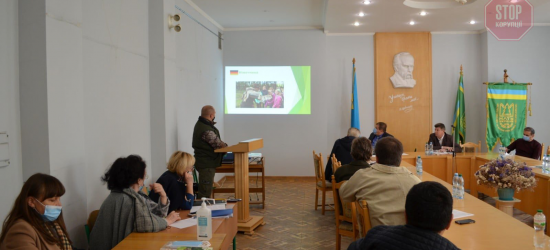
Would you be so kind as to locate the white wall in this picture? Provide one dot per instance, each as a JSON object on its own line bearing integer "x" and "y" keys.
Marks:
{"x": 449, "y": 51}
{"x": 197, "y": 63}
{"x": 116, "y": 88}
{"x": 340, "y": 50}
{"x": 288, "y": 139}
{"x": 10, "y": 177}
{"x": 527, "y": 60}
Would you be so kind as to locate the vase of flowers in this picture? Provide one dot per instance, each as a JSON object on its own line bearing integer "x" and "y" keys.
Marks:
{"x": 507, "y": 176}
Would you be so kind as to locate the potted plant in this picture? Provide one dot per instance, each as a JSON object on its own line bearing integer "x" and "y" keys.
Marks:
{"x": 507, "y": 176}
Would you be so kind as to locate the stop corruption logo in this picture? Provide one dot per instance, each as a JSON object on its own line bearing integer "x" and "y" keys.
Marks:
{"x": 508, "y": 20}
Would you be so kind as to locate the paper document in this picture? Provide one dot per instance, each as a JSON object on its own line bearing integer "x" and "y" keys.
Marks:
{"x": 457, "y": 214}
{"x": 184, "y": 223}
{"x": 194, "y": 209}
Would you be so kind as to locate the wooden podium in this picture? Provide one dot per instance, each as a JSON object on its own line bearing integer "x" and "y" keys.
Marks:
{"x": 245, "y": 222}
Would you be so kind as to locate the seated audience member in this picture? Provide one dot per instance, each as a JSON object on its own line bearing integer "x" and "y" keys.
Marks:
{"x": 526, "y": 146}
{"x": 178, "y": 182}
{"x": 384, "y": 185}
{"x": 127, "y": 209}
{"x": 361, "y": 152}
{"x": 341, "y": 149}
{"x": 36, "y": 220}
{"x": 378, "y": 133}
{"x": 429, "y": 210}
{"x": 441, "y": 140}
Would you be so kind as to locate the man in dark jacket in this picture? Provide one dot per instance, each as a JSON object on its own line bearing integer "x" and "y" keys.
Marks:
{"x": 361, "y": 152}
{"x": 526, "y": 146}
{"x": 378, "y": 133}
{"x": 441, "y": 140}
{"x": 429, "y": 212}
{"x": 206, "y": 139}
{"x": 342, "y": 149}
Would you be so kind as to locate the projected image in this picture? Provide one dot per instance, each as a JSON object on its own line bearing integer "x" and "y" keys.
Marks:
{"x": 267, "y": 90}
{"x": 257, "y": 94}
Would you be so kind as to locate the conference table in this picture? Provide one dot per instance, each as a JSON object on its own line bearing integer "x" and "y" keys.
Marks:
{"x": 441, "y": 166}
{"x": 493, "y": 229}
{"x": 223, "y": 230}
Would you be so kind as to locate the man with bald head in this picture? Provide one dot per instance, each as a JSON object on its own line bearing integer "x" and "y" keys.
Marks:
{"x": 206, "y": 139}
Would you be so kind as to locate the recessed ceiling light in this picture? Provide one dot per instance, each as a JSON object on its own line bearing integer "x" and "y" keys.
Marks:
{"x": 367, "y": 2}
{"x": 412, "y": 23}
{"x": 472, "y": 22}
{"x": 423, "y": 13}
{"x": 356, "y": 24}
{"x": 361, "y": 14}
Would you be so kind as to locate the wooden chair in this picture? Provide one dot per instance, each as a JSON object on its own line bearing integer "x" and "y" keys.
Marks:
{"x": 542, "y": 152}
{"x": 547, "y": 151}
{"x": 476, "y": 147}
{"x": 90, "y": 223}
{"x": 320, "y": 182}
{"x": 363, "y": 217}
{"x": 345, "y": 226}
{"x": 335, "y": 164}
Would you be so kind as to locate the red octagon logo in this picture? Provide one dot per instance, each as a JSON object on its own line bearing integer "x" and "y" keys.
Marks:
{"x": 509, "y": 20}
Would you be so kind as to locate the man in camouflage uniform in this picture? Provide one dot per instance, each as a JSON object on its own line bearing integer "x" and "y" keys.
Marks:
{"x": 206, "y": 139}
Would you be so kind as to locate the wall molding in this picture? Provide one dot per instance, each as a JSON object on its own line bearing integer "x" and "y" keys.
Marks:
{"x": 276, "y": 28}
{"x": 350, "y": 34}
{"x": 209, "y": 18}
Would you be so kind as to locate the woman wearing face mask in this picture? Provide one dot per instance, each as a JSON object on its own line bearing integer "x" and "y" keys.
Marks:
{"x": 35, "y": 221}
{"x": 178, "y": 181}
{"x": 127, "y": 209}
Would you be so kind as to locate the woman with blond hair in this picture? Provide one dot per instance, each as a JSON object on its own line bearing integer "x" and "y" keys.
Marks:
{"x": 36, "y": 220}
{"x": 178, "y": 181}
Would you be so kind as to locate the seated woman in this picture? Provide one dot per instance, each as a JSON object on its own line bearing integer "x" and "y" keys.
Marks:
{"x": 127, "y": 209}
{"x": 178, "y": 181}
{"x": 35, "y": 220}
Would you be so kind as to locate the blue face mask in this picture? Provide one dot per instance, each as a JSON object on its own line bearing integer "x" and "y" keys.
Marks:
{"x": 374, "y": 131}
{"x": 526, "y": 138}
{"x": 51, "y": 213}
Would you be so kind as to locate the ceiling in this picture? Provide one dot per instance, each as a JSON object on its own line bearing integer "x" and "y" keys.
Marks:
{"x": 339, "y": 16}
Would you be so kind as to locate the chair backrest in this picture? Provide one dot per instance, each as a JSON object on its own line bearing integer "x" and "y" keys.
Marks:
{"x": 340, "y": 215}
{"x": 318, "y": 165}
{"x": 476, "y": 147}
{"x": 90, "y": 223}
{"x": 363, "y": 216}
{"x": 547, "y": 151}
{"x": 542, "y": 152}
{"x": 335, "y": 164}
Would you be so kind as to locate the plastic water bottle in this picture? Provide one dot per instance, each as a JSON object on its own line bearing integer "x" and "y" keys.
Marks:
{"x": 419, "y": 165}
{"x": 455, "y": 186}
{"x": 460, "y": 186}
{"x": 431, "y": 148}
{"x": 204, "y": 222}
{"x": 427, "y": 149}
{"x": 545, "y": 163}
{"x": 502, "y": 152}
{"x": 540, "y": 226}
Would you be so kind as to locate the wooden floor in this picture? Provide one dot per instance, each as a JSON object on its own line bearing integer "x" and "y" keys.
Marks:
{"x": 292, "y": 222}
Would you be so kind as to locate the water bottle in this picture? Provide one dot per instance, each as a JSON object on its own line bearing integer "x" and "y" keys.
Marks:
{"x": 204, "y": 222}
{"x": 540, "y": 226}
{"x": 455, "y": 186}
{"x": 427, "y": 149}
{"x": 431, "y": 148}
{"x": 501, "y": 152}
{"x": 419, "y": 165}
{"x": 460, "y": 186}
{"x": 545, "y": 163}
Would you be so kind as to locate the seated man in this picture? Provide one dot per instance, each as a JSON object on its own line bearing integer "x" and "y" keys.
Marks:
{"x": 378, "y": 133}
{"x": 441, "y": 140}
{"x": 341, "y": 149}
{"x": 526, "y": 146}
{"x": 384, "y": 185}
{"x": 429, "y": 212}
{"x": 361, "y": 152}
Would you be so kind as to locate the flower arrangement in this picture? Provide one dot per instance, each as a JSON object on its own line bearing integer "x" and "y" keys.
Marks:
{"x": 506, "y": 173}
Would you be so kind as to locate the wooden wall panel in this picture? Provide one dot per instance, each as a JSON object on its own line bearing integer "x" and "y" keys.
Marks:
{"x": 408, "y": 112}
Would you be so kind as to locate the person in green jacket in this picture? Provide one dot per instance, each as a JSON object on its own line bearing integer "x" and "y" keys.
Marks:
{"x": 206, "y": 139}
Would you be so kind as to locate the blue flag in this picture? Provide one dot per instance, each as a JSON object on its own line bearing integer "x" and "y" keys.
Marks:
{"x": 354, "y": 102}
